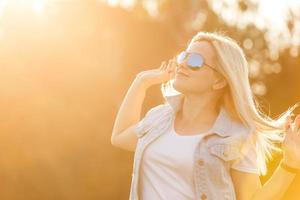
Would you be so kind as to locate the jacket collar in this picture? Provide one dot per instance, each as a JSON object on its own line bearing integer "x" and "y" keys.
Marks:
{"x": 223, "y": 124}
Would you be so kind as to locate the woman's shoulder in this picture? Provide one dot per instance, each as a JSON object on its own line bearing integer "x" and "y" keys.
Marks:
{"x": 239, "y": 128}
{"x": 155, "y": 117}
{"x": 158, "y": 110}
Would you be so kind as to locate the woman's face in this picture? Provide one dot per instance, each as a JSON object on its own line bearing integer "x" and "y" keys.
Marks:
{"x": 201, "y": 81}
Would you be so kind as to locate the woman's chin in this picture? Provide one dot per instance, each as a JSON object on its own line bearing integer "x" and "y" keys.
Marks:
{"x": 179, "y": 85}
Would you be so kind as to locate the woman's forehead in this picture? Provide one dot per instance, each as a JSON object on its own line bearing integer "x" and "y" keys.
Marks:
{"x": 202, "y": 47}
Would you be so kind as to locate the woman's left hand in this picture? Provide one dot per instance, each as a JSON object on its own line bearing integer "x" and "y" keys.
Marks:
{"x": 291, "y": 143}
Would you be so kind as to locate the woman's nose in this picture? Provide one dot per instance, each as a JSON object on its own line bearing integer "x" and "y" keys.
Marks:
{"x": 182, "y": 65}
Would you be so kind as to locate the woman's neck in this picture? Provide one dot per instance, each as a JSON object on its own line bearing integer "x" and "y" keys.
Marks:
{"x": 197, "y": 109}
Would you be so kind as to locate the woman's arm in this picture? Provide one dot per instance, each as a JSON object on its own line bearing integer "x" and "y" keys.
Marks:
{"x": 123, "y": 134}
{"x": 247, "y": 185}
{"x": 276, "y": 186}
{"x": 128, "y": 115}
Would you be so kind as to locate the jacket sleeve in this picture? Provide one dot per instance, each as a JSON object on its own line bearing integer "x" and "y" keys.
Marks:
{"x": 149, "y": 121}
{"x": 249, "y": 160}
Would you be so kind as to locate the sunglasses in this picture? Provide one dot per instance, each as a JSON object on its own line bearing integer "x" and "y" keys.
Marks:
{"x": 194, "y": 61}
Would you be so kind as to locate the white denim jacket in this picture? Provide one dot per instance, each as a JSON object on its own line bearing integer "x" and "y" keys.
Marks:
{"x": 226, "y": 145}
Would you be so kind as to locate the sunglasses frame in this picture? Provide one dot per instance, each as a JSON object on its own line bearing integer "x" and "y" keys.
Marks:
{"x": 194, "y": 68}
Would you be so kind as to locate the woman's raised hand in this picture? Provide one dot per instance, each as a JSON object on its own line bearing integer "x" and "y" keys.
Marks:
{"x": 164, "y": 73}
{"x": 291, "y": 143}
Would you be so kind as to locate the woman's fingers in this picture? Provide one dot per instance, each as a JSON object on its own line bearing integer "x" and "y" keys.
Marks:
{"x": 287, "y": 124}
{"x": 174, "y": 68}
{"x": 163, "y": 65}
{"x": 171, "y": 62}
{"x": 169, "y": 67}
{"x": 288, "y": 130}
{"x": 297, "y": 124}
{"x": 292, "y": 127}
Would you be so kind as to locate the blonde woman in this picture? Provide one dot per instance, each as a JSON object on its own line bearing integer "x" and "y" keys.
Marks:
{"x": 208, "y": 140}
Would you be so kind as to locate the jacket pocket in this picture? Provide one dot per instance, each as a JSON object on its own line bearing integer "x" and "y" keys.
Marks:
{"x": 226, "y": 152}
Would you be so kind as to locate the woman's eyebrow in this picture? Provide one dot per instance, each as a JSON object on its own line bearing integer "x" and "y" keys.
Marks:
{"x": 195, "y": 53}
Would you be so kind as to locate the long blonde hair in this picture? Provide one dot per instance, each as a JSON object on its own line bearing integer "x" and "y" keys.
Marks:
{"x": 238, "y": 99}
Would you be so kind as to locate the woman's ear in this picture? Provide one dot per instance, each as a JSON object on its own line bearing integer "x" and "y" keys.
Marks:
{"x": 219, "y": 84}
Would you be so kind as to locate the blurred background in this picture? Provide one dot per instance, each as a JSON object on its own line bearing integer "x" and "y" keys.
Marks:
{"x": 66, "y": 66}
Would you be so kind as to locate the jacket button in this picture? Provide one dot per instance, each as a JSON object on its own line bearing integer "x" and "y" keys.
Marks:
{"x": 200, "y": 162}
{"x": 225, "y": 153}
{"x": 203, "y": 197}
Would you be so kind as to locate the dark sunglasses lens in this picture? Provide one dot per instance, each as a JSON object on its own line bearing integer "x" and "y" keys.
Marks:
{"x": 195, "y": 61}
{"x": 180, "y": 57}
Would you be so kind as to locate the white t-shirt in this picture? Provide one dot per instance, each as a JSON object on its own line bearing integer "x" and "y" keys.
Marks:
{"x": 167, "y": 167}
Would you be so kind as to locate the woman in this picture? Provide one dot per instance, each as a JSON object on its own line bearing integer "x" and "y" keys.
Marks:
{"x": 208, "y": 140}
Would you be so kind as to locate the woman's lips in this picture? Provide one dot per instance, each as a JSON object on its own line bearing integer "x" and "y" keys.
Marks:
{"x": 181, "y": 74}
